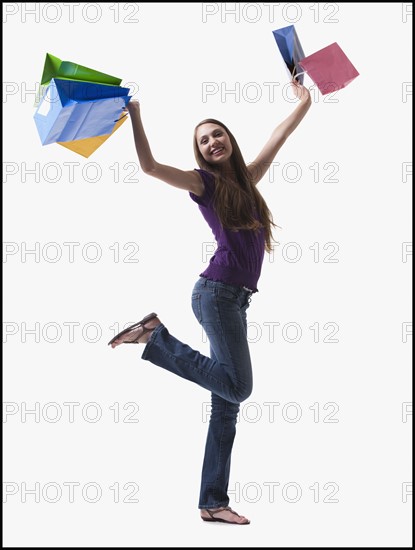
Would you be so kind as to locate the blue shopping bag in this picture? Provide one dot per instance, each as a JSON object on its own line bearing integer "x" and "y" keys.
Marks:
{"x": 290, "y": 48}
{"x": 72, "y": 110}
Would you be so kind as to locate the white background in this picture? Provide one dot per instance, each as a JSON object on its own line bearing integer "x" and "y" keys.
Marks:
{"x": 169, "y": 51}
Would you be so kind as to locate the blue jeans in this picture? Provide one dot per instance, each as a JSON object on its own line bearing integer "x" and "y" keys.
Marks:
{"x": 221, "y": 310}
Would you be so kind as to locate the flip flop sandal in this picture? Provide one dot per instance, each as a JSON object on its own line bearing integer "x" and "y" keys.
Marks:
{"x": 229, "y": 509}
{"x": 146, "y": 319}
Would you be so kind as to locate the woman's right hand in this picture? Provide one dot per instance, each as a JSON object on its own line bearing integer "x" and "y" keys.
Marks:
{"x": 133, "y": 106}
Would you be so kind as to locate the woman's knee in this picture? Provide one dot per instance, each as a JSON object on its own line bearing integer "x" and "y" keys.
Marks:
{"x": 243, "y": 393}
{"x": 224, "y": 408}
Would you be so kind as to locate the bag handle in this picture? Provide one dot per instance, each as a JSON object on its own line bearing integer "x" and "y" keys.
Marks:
{"x": 298, "y": 74}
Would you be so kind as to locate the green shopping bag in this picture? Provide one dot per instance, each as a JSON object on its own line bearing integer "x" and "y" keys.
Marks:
{"x": 56, "y": 68}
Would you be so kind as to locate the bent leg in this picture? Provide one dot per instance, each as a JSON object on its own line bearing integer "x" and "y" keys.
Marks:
{"x": 229, "y": 374}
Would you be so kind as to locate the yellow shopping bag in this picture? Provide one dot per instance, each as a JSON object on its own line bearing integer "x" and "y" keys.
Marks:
{"x": 87, "y": 146}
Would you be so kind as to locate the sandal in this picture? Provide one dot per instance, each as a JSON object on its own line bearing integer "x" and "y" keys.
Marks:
{"x": 229, "y": 509}
{"x": 146, "y": 319}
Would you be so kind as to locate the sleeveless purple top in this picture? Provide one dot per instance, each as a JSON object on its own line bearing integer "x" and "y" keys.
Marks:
{"x": 239, "y": 254}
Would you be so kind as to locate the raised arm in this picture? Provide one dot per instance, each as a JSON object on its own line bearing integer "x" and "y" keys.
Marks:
{"x": 182, "y": 179}
{"x": 263, "y": 161}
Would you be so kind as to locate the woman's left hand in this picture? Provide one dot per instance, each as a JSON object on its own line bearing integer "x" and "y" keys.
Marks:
{"x": 300, "y": 92}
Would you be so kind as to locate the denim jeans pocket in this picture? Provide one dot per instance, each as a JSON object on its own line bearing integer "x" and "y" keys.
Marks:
{"x": 226, "y": 292}
{"x": 196, "y": 306}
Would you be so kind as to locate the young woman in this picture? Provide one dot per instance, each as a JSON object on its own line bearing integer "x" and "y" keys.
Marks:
{"x": 224, "y": 187}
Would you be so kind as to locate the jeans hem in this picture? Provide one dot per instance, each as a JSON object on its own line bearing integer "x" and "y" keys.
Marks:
{"x": 151, "y": 341}
{"x": 216, "y": 505}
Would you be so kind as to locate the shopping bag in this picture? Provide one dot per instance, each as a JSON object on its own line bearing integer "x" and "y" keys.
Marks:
{"x": 290, "y": 48}
{"x": 55, "y": 68}
{"x": 72, "y": 110}
{"x": 329, "y": 68}
{"x": 87, "y": 146}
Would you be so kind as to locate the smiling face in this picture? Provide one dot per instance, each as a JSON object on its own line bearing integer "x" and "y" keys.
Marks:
{"x": 214, "y": 143}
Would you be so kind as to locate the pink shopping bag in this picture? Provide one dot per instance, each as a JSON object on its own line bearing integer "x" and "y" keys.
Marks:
{"x": 330, "y": 69}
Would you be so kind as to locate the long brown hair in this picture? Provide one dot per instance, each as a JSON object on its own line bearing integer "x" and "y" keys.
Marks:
{"x": 235, "y": 193}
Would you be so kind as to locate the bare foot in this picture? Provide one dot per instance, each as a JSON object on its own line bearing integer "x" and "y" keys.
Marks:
{"x": 138, "y": 335}
{"x": 224, "y": 515}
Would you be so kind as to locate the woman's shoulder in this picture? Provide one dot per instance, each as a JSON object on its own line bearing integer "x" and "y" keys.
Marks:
{"x": 208, "y": 180}
{"x": 206, "y": 176}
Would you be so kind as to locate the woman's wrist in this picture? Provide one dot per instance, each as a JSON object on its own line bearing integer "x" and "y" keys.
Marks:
{"x": 305, "y": 96}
